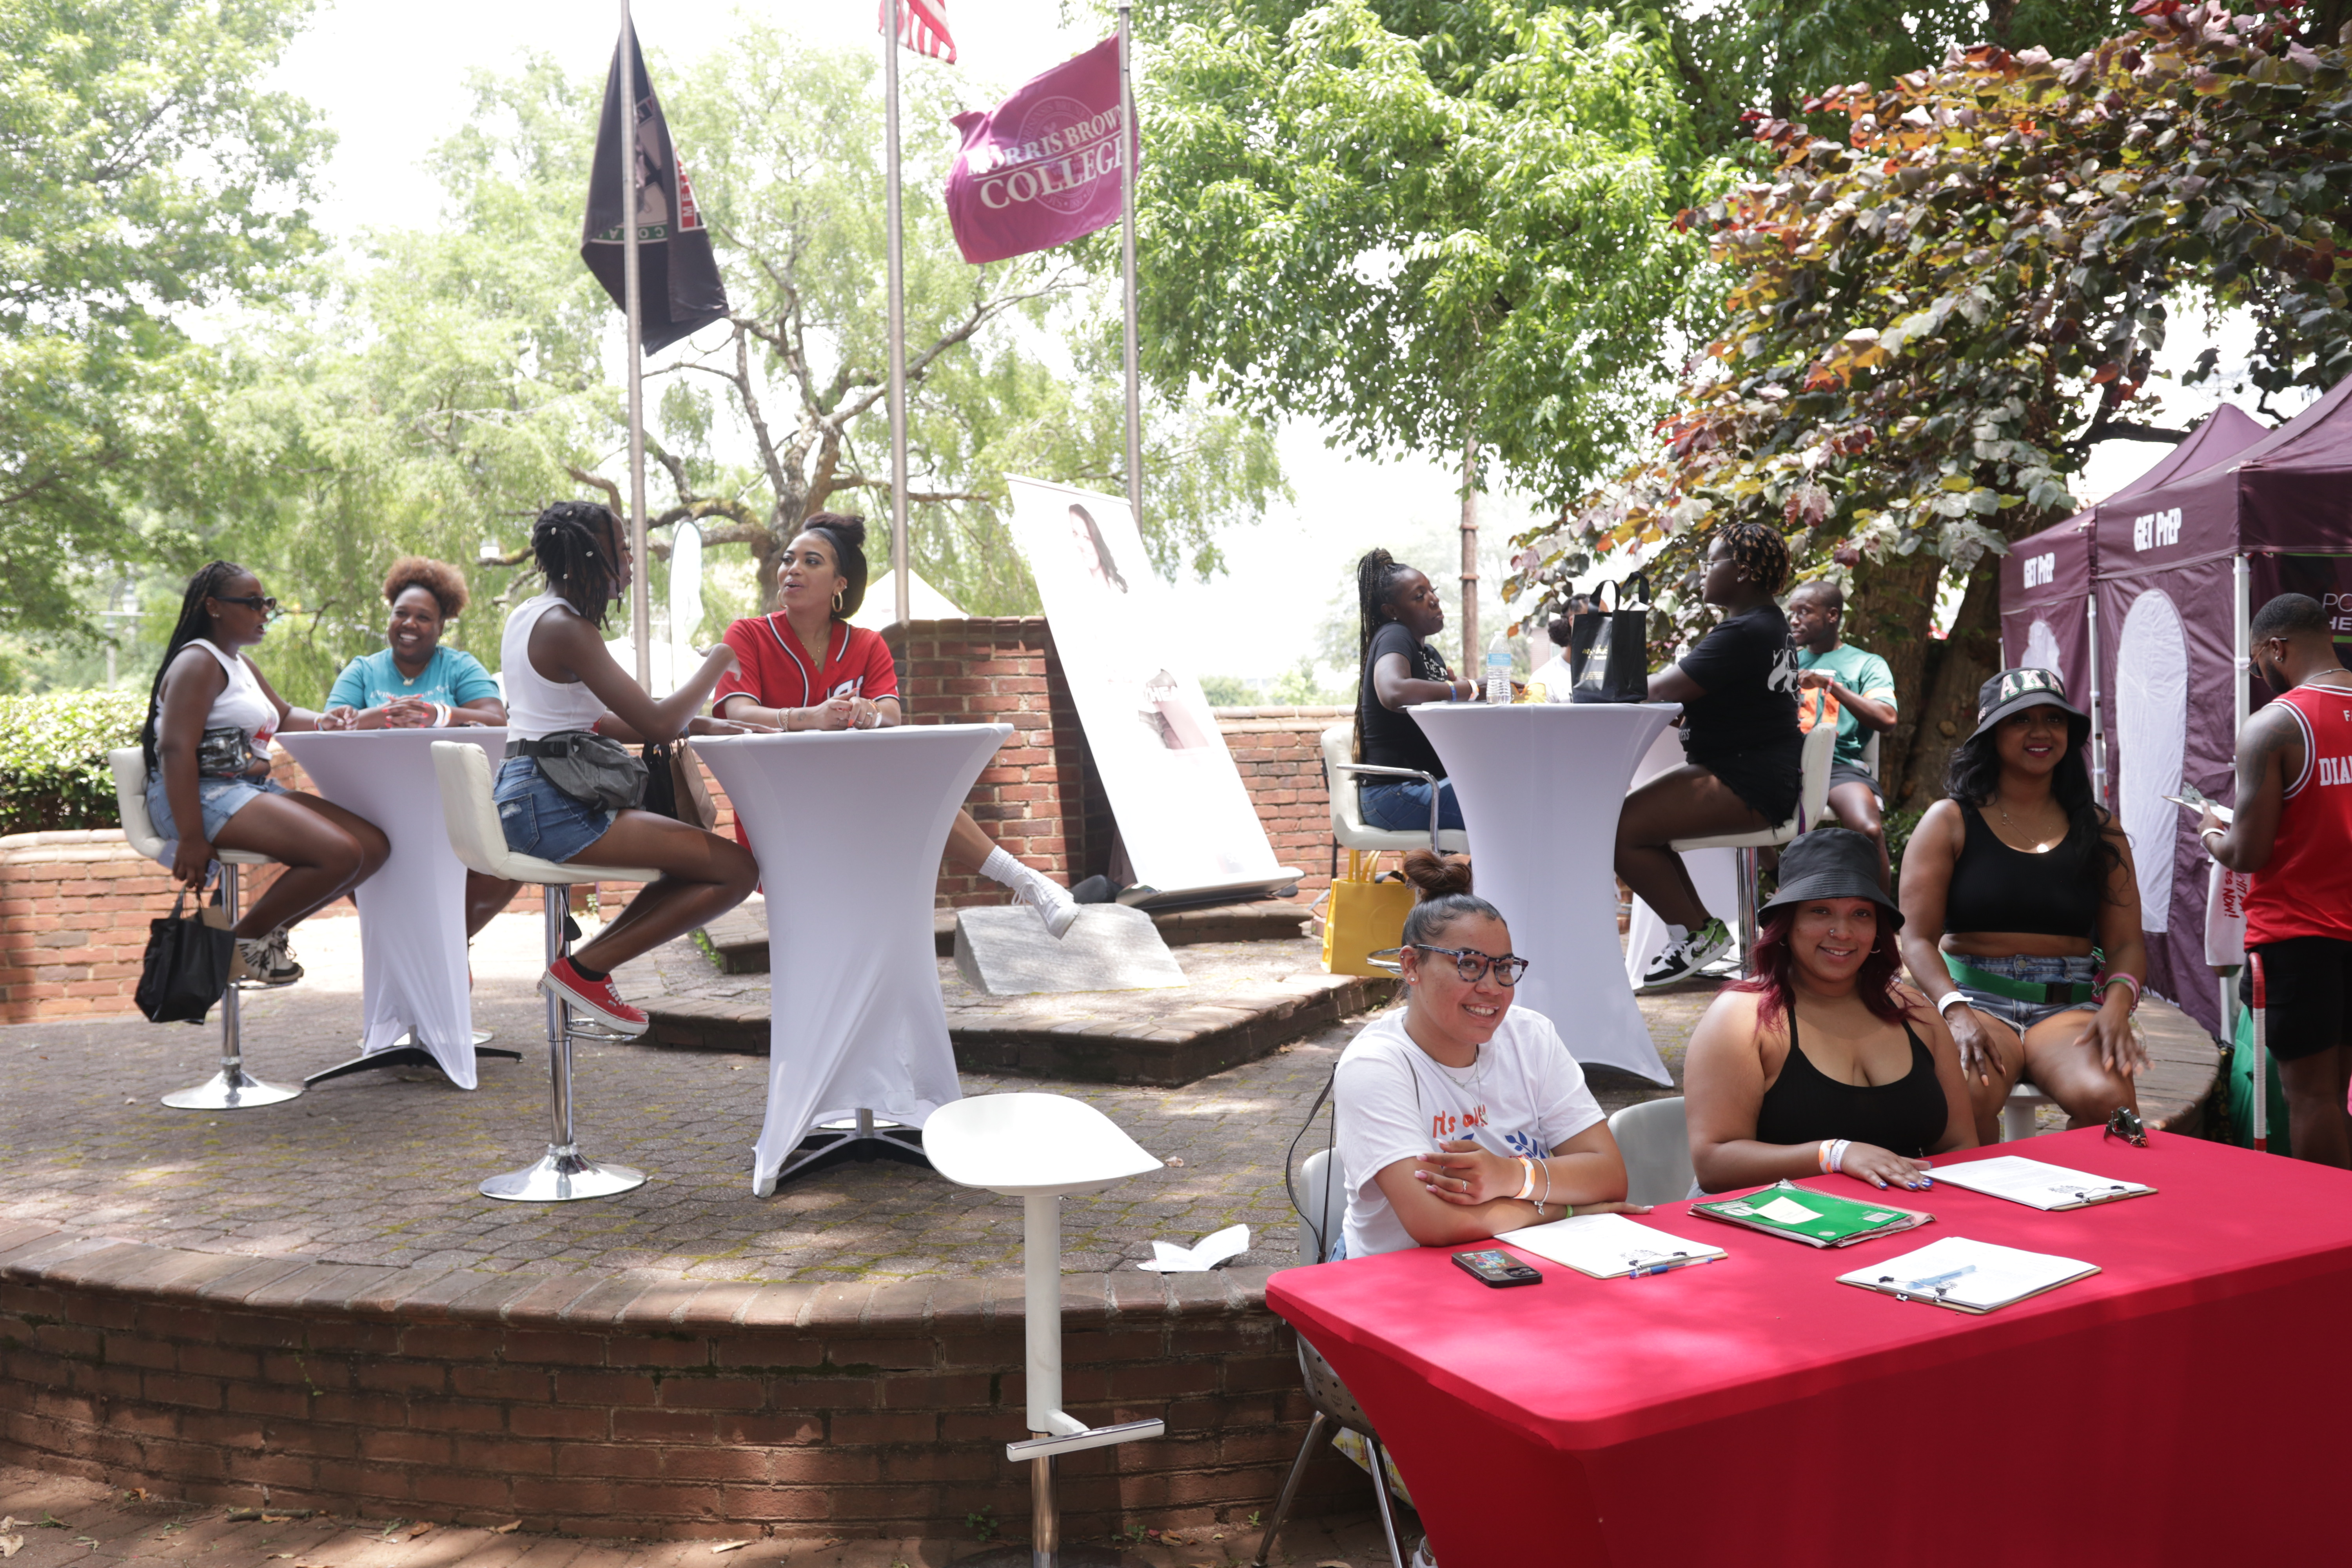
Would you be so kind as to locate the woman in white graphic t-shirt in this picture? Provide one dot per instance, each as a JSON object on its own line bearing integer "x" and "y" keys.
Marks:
{"x": 1458, "y": 1116}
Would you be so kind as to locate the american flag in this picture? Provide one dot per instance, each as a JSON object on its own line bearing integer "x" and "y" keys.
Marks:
{"x": 922, "y": 27}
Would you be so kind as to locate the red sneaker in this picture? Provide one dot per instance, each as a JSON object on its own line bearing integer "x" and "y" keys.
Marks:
{"x": 566, "y": 984}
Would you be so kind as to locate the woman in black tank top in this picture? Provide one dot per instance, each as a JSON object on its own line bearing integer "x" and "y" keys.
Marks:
{"x": 1822, "y": 1062}
{"x": 2024, "y": 911}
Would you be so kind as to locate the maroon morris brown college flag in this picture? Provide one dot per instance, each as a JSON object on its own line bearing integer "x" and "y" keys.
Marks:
{"x": 677, "y": 277}
{"x": 1042, "y": 167}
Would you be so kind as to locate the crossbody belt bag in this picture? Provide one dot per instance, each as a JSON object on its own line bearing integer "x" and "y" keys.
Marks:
{"x": 225, "y": 753}
{"x": 595, "y": 770}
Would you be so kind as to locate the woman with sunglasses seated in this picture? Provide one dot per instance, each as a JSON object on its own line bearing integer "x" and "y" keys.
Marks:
{"x": 210, "y": 715}
{"x": 1822, "y": 1061}
{"x": 1459, "y": 1117}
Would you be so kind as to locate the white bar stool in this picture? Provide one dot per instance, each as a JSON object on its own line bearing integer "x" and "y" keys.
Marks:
{"x": 232, "y": 1088}
{"x": 563, "y": 1173}
{"x": 2017, "y": 1113}
{"x": 1812, "y": 802}
{"x": 1037, "y": 1147}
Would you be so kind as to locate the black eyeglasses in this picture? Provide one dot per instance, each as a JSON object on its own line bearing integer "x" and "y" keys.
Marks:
{"x": 251, "y": 602}
{"x": 1473, "y": 965}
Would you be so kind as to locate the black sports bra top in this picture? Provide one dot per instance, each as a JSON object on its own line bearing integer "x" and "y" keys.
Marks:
{"x": 1996, "y": 889}
{"x": 1805, "y": 1105}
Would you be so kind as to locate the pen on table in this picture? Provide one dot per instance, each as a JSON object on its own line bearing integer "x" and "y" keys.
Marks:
{"x": 1641, "y": 1269}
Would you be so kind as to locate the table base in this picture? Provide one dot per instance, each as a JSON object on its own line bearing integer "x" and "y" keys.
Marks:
{"x": 835, "y": 1143}
{"x": 229, "y": 1089}
{"x": 406, "y": 1053}
{"x": 562, "y": 1177}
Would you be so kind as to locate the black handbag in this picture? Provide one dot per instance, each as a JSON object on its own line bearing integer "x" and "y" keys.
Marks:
{"x": 673, "y": 786}
{"x": 1609, "y": 650}
{"x": 186, "y": 966}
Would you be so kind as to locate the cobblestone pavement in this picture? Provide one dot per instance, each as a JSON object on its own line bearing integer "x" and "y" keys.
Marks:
{"x": 380, "y": 1168}
{"x": 63, "y": 1521}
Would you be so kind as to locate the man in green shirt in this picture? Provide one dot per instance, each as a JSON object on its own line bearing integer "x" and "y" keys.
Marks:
{"x": 1852, "y": 689}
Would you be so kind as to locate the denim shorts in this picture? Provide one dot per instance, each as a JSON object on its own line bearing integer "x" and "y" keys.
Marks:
{"x": 219, "y": 798}
{"x": 540, "y": 819}
{"x": 1403, "y": 806}
{"x": 2022, "y": 1015}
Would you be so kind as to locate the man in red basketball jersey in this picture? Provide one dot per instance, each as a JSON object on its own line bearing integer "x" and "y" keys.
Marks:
{"x": 2293, "y": 832}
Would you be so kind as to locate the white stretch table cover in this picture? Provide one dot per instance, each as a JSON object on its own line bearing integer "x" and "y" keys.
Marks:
{"x": 849, "y": 827}
{"x": 1713, "y": 872}
{"x": 1540, "y": 784}
{"x": 413, "y": 912}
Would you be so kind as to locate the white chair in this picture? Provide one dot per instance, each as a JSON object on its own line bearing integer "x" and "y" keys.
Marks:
{"x": 232, "y": 1088}
{"x": 1038, "y": 1147}
{"x": 1336, "y": 1409}
{"x": 1812, "y": 800}
{"x": 1348, "y": 829}
{"x": 2017, "y": 1114}
{"x": 1654, "y": 1138}
{"x": 562, "y": 1173}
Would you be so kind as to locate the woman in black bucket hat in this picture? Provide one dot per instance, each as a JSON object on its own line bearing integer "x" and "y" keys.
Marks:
{"x": 1824, "y": 1060}
{"x": 2023, "y": 911}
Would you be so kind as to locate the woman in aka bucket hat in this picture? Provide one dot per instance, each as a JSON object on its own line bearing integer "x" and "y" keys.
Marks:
{"x": 2024, "y": 911}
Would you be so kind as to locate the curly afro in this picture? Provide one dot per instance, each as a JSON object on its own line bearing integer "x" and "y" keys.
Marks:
{"x": 438, "y": 578}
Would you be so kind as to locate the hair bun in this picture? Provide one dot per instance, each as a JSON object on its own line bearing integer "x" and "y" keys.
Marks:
{"x": 852, "y": 529}
{"x": 1435, "y": 875}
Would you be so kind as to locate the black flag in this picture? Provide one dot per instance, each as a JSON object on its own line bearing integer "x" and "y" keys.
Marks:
{"x": 678, "y": 276}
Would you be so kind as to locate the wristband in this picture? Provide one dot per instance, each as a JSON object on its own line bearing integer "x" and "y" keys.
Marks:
{"x": 1823, "y": 1155}
{"x": 1944, "y": 1008}
{"x": 440, "y": 715}
{"x": 1527, "y": 1185}
{"x": 1837, "y": 1154}
{"x": 2114, "y": 980}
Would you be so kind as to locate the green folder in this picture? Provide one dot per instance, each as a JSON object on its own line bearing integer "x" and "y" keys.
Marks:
{"x": 1815, "y": 1218}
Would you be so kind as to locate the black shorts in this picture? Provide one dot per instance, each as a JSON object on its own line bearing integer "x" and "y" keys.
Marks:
{"x": 1767, "y": 780}
{"x": 1846, "y": 773}
{"x": 2307, "y": 990}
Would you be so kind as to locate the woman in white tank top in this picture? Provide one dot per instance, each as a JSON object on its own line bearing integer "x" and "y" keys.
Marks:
{"x": 209, "y": 719}
{"x": 561, "y": 683}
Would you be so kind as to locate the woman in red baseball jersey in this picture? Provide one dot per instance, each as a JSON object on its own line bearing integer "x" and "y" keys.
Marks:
{"x": 804, "y": 667}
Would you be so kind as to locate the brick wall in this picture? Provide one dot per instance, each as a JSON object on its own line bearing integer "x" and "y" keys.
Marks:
{"x": 631, "y": 1407}
{"x": 1280, "y": 754}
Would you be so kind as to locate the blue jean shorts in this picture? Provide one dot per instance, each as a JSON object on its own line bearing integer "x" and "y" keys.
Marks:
{"x": 540, "y": 819}
{"x": 1402, "y": 806}
{"x": 219, "y": 798}
{"x": 2023, "y": 1016}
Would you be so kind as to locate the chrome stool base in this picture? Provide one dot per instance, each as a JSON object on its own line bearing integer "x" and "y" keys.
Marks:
{"x": 406, "y": 1052}
{"x": 231, "y": 1088}
{"x": 562, "y": 1177}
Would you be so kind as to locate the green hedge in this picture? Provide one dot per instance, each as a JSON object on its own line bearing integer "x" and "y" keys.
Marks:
{"x": 53, "y": 747}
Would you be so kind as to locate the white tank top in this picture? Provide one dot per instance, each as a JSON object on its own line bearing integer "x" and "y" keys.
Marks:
{"x": 536, "y": 706}
{"x": 242, "y": 704}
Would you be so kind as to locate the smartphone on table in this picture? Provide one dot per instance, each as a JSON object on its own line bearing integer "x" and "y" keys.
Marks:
{"x": 1497, "y": 1267}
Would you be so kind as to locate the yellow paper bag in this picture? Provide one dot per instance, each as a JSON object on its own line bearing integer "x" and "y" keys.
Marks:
{"x": 1362, "y": 917}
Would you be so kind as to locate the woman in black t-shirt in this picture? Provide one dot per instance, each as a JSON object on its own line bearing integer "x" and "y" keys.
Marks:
{"x": 1399, "y": 613}
{"x": 1738, "y": 692}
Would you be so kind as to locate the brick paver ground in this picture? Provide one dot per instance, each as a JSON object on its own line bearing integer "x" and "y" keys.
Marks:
{"x": 381, "y": 1168}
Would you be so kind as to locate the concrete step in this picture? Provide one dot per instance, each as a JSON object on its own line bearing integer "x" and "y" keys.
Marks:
{"x": 738, "y": 941}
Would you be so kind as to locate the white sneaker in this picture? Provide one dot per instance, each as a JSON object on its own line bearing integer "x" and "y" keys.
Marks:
{"x": 1421, "y": 1557}
{"x": 1051, "y": 901}
{"x": 1687, "y": 957}
{"x": 265, "y": 961}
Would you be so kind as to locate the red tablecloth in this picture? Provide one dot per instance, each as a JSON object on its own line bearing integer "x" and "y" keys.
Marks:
{"x": 2187, "y": 1403}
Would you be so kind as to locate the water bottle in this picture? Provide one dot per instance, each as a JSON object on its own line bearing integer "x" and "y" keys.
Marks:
{"x": 1498, "y": 669}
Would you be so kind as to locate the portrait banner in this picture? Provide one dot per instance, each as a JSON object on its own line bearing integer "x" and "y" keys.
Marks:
{"x": 1042, "y": 167}
{"x": 1183, "y": 813}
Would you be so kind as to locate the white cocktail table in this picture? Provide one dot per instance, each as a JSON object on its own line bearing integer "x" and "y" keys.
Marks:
{"x": 849, "y": 827}
{"x": 1540, "y": 784}
{"x": 418, "y": 1002}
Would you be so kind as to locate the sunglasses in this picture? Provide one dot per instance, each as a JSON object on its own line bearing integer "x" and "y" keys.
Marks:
{"x": 1473, "y": 966}
{"x": 250, "y": 601}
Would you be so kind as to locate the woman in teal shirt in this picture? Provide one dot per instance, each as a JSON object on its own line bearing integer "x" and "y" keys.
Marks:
{"x": 414, "y": 682}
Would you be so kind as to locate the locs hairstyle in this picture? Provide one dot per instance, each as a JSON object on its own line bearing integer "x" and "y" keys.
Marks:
{"x": 571, "y": 544}
{"x": 210, "y": 579}
{"x": 1757, "y": 549}
{"x": 846, "y": 534}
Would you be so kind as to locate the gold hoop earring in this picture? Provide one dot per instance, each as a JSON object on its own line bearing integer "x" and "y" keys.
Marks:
{"x": 836, "y": 600}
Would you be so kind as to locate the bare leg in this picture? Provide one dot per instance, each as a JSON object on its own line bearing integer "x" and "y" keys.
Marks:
{"x": 327, "y": 852}
{"x": 1687, "y": 803}
{"x": 968, "y": 844}
{"x": 2315, "y": 1120}
{"x": 2072, "y": 1074}
{"x": 485, "y": 897}
{"x": 1988, "y": 1095}
{"x": 1856, "y": 806}
{"x": 703, "y": 877}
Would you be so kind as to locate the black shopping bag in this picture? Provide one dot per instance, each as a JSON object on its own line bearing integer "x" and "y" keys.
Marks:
{"x": 1609, "y": 650}
{"x": 186, "y": 968}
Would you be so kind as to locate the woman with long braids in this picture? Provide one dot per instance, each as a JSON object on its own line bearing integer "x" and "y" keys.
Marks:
{"x": 1738, "y": 692}
{"x": 1397, "y": 613}
{"x": 562, "y": 690}
{"x": 210, "y": 715}
{"x": 804, "y": 667}
{"x": 2022, "y": 910}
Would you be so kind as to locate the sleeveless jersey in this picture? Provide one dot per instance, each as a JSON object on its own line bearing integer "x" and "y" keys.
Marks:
{"x": 2306, "y": 889}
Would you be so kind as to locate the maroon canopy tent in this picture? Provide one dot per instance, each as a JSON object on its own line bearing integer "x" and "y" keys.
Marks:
{"x": 2179, "y": 566}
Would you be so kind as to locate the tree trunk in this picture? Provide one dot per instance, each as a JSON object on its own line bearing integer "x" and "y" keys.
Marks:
{"x": 1891, "y": 612}
{"x": 1971, "y": 656}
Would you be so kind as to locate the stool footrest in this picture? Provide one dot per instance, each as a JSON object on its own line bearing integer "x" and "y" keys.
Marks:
{"x": 1092, "y": 1438}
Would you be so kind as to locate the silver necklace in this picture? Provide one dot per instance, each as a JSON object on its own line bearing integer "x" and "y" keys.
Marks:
{"x": 1476, "y": 1085}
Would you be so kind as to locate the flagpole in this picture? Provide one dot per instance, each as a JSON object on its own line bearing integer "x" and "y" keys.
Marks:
{"x": 640, "y": 597}
{"x": 898, "y": 251}
{"x": 1127, "y": 151}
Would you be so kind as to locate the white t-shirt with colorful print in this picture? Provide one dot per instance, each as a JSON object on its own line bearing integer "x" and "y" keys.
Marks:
{"x": 1525, "y": 1095}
